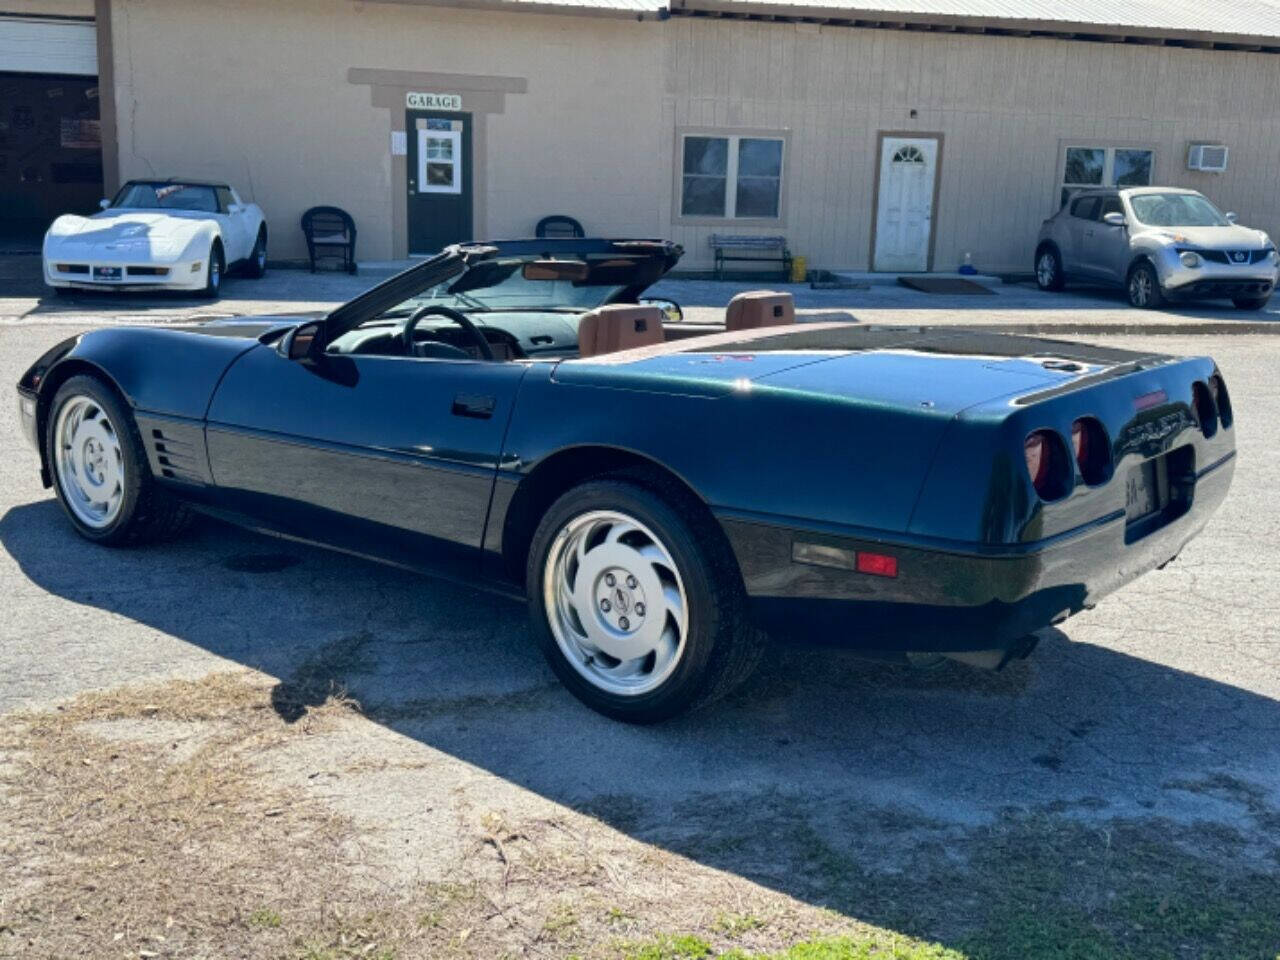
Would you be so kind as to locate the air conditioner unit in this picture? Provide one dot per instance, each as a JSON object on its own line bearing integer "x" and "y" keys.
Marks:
{"x": 1208, "y": 157}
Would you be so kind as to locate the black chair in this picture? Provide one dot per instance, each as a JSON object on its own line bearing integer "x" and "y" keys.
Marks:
{"x": 559, "y": 226}
{"x": 330, "y": 229}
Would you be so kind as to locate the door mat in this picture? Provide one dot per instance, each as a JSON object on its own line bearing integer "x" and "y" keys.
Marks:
{"x": 953, "y": 285}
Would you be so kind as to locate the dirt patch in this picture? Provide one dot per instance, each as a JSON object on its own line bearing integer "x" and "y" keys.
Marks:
{"x": 200, "y": 819}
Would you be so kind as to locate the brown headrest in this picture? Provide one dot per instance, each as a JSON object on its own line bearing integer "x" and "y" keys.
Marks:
{"x": 760, "y": 308}
{"x": 618, "y": 327}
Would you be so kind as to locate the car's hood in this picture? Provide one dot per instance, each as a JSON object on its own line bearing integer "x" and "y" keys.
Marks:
{"x": 131, "y": 233}
{"x": 935, "y": 369}
{"x": 1232, "y": 237}
{"x": 246, "y": 328}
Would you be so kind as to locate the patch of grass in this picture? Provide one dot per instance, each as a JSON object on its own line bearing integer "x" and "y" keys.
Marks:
{"x": 735, "y": 925}
{"x": 669, "y": 948}
{"x": 264, "y": 919}
{"x": 876, "y": 947}
{"x": 561, "y": 922}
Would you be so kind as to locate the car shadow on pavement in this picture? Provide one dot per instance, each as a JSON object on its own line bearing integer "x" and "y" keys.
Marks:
{"x": 949, "y": 805}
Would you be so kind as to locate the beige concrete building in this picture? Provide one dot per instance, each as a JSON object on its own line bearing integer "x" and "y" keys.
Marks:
{"x": 900, "y": 140}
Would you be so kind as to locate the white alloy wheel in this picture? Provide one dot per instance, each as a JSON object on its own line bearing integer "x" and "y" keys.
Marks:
{"x": 615, "y": 602}
{"x": 88, "y": 462}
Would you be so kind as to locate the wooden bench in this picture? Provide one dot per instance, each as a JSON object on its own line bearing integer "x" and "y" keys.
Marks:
{"x": 754, "y": 250}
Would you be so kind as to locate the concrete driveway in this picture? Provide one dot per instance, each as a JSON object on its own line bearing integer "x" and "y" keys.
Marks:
{"x": 1116, "y": 795}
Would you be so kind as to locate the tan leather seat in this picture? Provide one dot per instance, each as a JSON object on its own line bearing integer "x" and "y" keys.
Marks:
{"x": 617, "y": 327}
{"x": 760, "y": 308}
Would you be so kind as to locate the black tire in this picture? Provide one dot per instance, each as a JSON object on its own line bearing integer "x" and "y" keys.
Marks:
{"x": 1143, "y": 288}
{"x": 213, "y": 277}
{"x": 1049, "y": 275}
{"x": 257, "y": 264}
{"x": 146, "y": 512}
{"x": 720, "y": 648}
{"x": 1251, "y": 303}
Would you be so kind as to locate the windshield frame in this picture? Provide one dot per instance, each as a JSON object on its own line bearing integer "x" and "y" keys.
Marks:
{"x": 455, "y": 260}
{"x": 173, "y": 185}
{"x": 1191, "y": 198}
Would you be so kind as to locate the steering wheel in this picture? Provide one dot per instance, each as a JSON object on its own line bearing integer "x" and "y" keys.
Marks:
{"x": 460, "y": 319}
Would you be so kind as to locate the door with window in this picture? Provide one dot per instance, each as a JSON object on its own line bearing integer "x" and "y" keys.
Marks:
{"x": 904, "y": 211}
{"x": 439, "y": 181}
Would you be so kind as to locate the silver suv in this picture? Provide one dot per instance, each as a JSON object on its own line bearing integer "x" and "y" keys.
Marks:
{"x": 1157, "y": 243}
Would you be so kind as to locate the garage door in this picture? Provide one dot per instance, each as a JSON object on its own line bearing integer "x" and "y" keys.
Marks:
{"x": 66, "y": 47}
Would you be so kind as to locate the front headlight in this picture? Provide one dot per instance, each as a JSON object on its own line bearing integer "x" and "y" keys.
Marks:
{"x": 1190, "y": 259}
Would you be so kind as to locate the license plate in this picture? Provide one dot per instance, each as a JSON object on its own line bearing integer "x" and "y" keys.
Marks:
{"x": 106, "y": 273}
{"x": 1142, "y": 491}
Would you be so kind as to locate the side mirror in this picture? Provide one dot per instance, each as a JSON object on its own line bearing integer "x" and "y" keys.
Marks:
{"x": 234, "y": 208}
{"x": 296, "y": 344}
{"x": 104, "y": 203}
{"x": 670, "y": 309}
{"x": 1114, "y": 219}
{"x": 1232, "y": 217}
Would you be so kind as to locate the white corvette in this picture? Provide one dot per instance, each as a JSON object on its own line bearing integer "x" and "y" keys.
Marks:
{"x": 158, "y": 234}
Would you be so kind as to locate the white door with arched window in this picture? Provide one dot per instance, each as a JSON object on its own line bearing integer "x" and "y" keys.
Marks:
{"x": 904, "y": 208}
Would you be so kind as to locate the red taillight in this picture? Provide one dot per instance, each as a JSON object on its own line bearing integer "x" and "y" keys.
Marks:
{"x": 1037, "y": 449}
{"x": 1218, "y": 387}
{"x": 1206, "y": 409}
{"x": 1090, "y": 446}
{"x": 1047, "y": 464}
{"x": 877, "y": 564}
{"x": 1079, "y": 441}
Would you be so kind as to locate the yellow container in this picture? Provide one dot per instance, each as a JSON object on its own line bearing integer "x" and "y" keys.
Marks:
{"x": 799, "y": 269}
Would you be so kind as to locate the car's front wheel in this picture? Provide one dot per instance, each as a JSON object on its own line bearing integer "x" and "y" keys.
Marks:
{"x": 1251, "y": 303}
{"x": 100, "y": 469}
{"x": 1049, "y": 274}
{"x": 1144, "y": 288}
{"x": 214, "y": 270}
{"x": 637, "y": 601}
{"x": 257, "y": 267}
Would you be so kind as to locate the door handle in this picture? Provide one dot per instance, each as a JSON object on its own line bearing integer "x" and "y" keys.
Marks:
{"x": 478, "y": 406}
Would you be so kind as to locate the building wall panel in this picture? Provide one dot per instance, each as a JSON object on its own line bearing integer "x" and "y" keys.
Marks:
{"x": 264, "y": 100}
{"x": 1006, "y": 107}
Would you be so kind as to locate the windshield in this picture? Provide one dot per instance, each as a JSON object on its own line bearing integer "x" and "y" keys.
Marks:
{"x": 500, "y": 285}
{"x": 1176, "y": 210}
{"x": 167, "y": 196}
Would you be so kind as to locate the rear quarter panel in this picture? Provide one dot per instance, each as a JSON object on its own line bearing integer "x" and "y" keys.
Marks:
{"x": 748, "y": 449}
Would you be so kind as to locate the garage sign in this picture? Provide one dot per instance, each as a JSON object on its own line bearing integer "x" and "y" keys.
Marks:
{"x": 433, "y": 101}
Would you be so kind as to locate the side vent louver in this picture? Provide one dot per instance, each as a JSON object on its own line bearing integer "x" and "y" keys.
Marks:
{"x": 175, "y": 459}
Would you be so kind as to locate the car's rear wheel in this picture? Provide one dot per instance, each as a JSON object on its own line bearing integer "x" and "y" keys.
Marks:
{"x": 1144, "y": 288}
{"x": 215, "y": 268}
{"x": 1251, "y": 303}
{"x": 1049, "y": 274}
{"x": 257, "y": 267}
{"x": 637, "y": 601}
{"x": 100, "y": 469}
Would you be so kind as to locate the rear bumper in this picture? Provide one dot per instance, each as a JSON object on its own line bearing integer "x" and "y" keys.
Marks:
{"x": 951, "y": 597}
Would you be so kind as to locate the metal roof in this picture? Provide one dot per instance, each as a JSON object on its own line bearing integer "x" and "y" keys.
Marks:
{"x": 1247, "y": 23}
